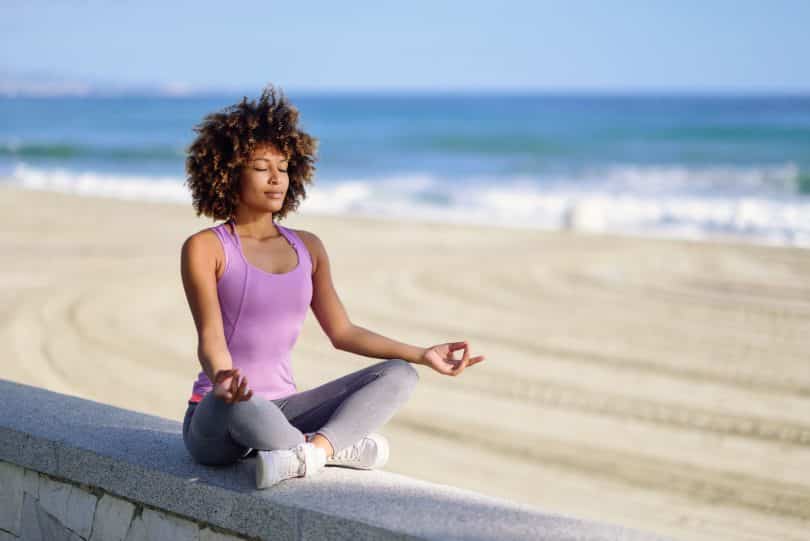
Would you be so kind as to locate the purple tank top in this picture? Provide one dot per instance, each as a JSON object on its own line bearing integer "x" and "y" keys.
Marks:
{"x": 262, "y": 315}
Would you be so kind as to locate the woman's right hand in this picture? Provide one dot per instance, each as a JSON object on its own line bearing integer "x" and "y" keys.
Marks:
{"x": 229, "y": 388}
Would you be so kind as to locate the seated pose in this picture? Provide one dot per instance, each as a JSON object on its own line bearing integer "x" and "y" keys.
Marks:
{"x": 249, "y": 282}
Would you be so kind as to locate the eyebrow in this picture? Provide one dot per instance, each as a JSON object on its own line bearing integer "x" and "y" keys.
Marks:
{"x": 266, "y": 160}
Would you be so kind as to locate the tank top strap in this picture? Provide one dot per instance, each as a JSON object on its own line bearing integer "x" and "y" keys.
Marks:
{"x": 229, "y": 245}
{"x": 297, "y": 243}
{"x": 289, "y": 235}
{"x": 228, "y": 230}
{"x": 233, "y": 247}
{"x": 225, "y": 236}
{"x": 221, "y": 233}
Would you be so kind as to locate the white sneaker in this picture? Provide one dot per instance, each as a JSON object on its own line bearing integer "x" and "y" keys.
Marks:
{"x": 369, "y": 453}
{"x": 304, "y": 460}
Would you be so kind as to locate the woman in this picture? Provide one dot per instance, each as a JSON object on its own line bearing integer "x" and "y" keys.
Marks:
{"x": 249, "y": 282}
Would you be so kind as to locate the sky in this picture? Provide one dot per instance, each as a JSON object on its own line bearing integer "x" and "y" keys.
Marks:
{"x": 624, "y": 45}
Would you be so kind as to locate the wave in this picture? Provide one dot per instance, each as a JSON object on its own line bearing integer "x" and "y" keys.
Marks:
{"x": 729, "y": 134}
{"x": 633, "y": 200}
{"x": 73, "y": 150}
{"x": 90, "y": 183}
{"x": 591, "y": 141}
{"x": 780, "y": 180}
{"x": 485, "y": 144}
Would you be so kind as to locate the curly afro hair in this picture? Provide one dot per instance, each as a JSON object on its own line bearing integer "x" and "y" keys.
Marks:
{"x": 225, "y": 142}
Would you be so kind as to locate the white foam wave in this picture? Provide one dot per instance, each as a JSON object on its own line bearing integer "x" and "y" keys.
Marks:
{"x": 777, "y": 220}
{"x": 134, "y": 187}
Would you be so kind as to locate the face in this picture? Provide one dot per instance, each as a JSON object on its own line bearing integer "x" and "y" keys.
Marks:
{"x": 265, "y": 180}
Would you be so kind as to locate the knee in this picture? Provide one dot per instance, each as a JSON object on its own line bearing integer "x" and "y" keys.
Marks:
{"x": 242, "y": 421}
{"x": 209, "y": 452}
{"x": 252, "y": 425}
{"x": 243, "y": 411}
{"x": 403, "y": 373}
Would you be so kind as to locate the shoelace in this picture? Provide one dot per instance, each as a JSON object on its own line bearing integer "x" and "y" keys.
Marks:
{"x": 351, "y": 454}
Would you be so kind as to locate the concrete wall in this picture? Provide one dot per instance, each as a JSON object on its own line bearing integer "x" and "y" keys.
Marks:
{"x": 75, "y": 469}
{"x": 36, "y": 506}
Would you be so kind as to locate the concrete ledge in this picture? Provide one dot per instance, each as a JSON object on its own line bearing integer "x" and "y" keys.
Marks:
{"x": 53, "y": 440}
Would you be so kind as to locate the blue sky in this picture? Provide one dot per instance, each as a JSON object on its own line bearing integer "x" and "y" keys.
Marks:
{"x": 710, "y": 45}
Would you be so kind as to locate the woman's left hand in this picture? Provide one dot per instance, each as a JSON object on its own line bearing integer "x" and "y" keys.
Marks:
{"x": 440, "y": 358}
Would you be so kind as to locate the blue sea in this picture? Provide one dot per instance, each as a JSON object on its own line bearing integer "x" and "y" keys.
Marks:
{"x": 685, "y": 166}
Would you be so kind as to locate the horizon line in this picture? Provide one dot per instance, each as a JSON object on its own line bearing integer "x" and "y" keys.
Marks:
{"x": 213, "y": 91}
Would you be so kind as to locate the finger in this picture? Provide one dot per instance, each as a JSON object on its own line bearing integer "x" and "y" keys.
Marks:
{"x": 458, "y": 345}
{"x": 467, "y": 361}
{"x": 458, "y": 362}
{"x": 249, "y": 395}
{"x": 460, "y": 367}
{"x": 225, "y": 374}
{"x": 451, "y": 355}
{"x": 243, "y": 387}
{"x": 443, "y": 368}
{"x": 476, "y": 360}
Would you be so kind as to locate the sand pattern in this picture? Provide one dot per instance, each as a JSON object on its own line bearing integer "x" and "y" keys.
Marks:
{"x": 659, "y": 384}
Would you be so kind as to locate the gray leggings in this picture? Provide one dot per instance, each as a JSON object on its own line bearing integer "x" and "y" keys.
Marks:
{"x": 342, "y": 410}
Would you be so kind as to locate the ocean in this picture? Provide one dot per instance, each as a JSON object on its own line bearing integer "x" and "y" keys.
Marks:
{"x": 735, "y": 168}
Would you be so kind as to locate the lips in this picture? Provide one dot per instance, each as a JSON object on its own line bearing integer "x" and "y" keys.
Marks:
{"x": 274, "y": 194}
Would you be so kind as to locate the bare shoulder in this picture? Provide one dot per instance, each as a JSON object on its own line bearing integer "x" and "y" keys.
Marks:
{"x": 206, "y": 246}
{"x": 313, "y": 244}
{"x": 204, "y": 239}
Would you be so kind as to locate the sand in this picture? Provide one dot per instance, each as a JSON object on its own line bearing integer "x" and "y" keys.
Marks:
{"x": 659, "y": 384}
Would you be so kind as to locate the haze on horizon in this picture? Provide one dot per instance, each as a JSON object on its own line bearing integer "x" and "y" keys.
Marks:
{"x": 523, "y": 46}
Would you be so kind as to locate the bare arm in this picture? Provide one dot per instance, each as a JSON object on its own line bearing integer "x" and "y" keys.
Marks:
{"x": 365, "y": 342}
{"x": 198, "y": 270}
{"x": 332, "y": 316}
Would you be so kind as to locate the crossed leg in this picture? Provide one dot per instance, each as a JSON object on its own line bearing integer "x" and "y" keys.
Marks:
{"x": 342, "y": 411}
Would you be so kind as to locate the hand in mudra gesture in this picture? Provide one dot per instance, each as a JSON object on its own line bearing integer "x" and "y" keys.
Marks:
{"x": 230, "y": 388}
{"x": 440, "y": 358}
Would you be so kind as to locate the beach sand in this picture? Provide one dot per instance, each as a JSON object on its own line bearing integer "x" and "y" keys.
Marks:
{"x": 659, "y": 384}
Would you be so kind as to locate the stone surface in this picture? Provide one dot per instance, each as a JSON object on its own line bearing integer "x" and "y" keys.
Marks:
{"x": 142, "y": 458}
{"x": 151, "y": 525}
{"x": 207, "y": 534}
{"x": 81, "y": 508}
{"x": 31, "y": 483}
{"x": 11, "y": 497}
{"x": 72, "y": 506}
{"x": 112, "y": 519}
{"x": 39, "y": 525}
